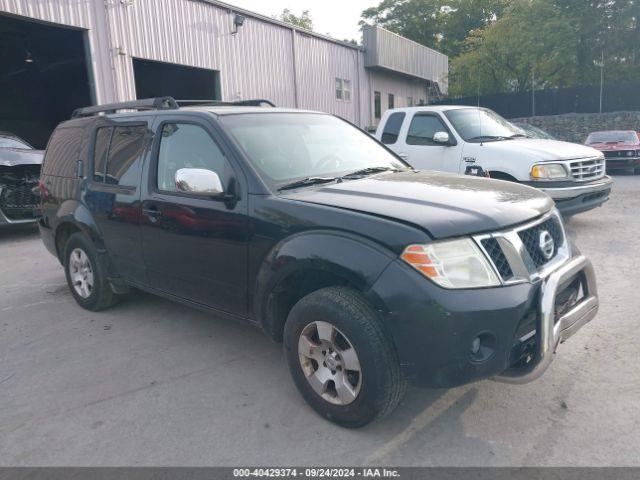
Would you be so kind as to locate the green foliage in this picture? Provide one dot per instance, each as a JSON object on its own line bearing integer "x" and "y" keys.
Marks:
{"x": 513, "y": 45}
{"x": 302, "y": 21}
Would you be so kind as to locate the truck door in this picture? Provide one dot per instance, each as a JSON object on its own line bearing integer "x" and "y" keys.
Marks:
{"x": 416, "y": 142}
{"x": 194, "y": 246}
{"x": 118, "y": 149}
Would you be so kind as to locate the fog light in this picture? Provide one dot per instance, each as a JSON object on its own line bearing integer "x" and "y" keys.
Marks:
{"x": 483, "y": 347}
{"x": 475, "y": 346}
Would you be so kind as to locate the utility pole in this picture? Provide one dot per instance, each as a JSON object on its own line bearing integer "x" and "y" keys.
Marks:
{"x": 601, "y": 78}
{"x": 533, "y": 90}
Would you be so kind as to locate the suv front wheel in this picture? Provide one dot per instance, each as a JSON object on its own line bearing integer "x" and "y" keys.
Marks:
{"x": 86, "y": 277}
{"x": 340, "y": 358}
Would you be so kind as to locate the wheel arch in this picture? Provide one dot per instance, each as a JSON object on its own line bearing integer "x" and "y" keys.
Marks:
{"x": 500, "y": 175}
{"x": 74, "y": 217}
{"x": 307, "y": 262}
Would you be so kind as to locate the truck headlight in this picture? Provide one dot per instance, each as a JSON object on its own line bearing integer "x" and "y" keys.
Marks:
{"x": 548, "y": 171}
{"x": 452, "y": 264}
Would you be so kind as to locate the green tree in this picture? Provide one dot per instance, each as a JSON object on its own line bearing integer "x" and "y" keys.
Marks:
{"x": 303, "y": 20}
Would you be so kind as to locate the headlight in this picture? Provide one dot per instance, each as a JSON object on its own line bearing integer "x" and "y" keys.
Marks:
{"x": 452, "y": 264}
{"x": 548, "y": 171}
{"x": 630, "y": 153}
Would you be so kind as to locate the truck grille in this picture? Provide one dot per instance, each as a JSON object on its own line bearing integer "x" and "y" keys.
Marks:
{"x": 522, "y": 253}
{"x": 587, "y": 169}
{"x": 620, "y": 154}
{"x": 530, "y": 239}
{"x": 492, "y": 247}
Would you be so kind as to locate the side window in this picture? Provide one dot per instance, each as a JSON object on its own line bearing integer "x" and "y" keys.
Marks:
{"x": 184, "y": 145}
{"x": 422, "y": 129}
{"x": 391, "y": 101}
{"x": 125, "y": 155}
{"x": 392, "y": 128}
{"x": 62, "y": 152}
{"x": 377, "y": 105}
{"x": 100, "y": 151}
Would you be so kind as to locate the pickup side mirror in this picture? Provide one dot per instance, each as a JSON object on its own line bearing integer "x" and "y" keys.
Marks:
{"x": 441, "y": 138}
{"x": 198, "y": 181}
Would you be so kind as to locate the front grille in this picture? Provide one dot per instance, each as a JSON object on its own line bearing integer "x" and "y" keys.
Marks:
{"x": 17, "y": 200}
{"x": 587, "y": 169}
{"x": 531, "y": 240}
{"x": 526, "y": 252}
{"x": 492, "y": 247}
{"x": 620, "y": 154}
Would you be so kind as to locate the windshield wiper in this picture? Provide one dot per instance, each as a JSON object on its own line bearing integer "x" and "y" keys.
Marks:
{"x": 305, "y": 182}
{"x": 519, "y": 135}
{"x": 487, "y": 137}
{"x": 369, "y": 170}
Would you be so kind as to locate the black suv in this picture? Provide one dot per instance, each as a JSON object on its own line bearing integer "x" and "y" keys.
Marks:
{"x": 371, "y": 273}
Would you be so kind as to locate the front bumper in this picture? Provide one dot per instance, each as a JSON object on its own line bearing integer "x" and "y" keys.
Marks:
{"x": 551, "y": 331}
{"x": 574, "y": 198}
{"x": 434, "y": 328}
{"x": 623, "y": 162}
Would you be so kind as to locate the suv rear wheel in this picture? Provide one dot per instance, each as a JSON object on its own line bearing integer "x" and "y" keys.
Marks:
{"x": 342, "y": 362}
{"x": 86, "y": 277}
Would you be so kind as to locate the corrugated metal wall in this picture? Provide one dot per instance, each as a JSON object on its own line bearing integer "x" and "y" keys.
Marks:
{"x": 389, "y": 50}
{"x": 263, "y": 60}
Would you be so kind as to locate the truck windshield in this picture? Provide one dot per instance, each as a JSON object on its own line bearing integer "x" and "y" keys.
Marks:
{"x": 481, "y": 125}
{"x": 614, "y": 137}
{"x": 285, "y": 147}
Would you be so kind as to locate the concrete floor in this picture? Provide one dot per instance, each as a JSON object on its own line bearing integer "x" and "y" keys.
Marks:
{"x": 151, "y": 382}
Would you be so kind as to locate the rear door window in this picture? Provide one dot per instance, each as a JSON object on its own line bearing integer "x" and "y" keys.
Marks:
{"x": 62, "y": 155}
{"x": 118, "y": 154}
{"x": 423, "y": 128}
{"x": 392, "y": 128}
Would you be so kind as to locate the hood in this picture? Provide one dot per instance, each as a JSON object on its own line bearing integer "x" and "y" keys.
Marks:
{"x": 11, "y": 157}
{"x": 540, "y": 149}
{"x": 442, "y": 204}
{"x": 612, "y": 147}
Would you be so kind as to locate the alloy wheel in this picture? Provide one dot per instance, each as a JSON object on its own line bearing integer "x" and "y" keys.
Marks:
{"x": 330, "y": 363}
{"x": 81, "y": 272}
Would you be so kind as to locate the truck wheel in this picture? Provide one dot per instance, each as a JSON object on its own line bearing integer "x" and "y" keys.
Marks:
{"x": 86, "y": 277}
{"x": 342, "y": 362}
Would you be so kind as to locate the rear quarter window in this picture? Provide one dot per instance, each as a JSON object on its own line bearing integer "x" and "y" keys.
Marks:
{"x": 63, "y": 151}
{"x": 392, "y": 128}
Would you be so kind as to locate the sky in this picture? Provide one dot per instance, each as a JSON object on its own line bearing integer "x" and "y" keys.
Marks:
{"x": 336, "y": 18}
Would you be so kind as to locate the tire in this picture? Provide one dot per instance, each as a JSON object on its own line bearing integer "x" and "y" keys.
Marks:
{"x": 372, "y": 392}
{"x": 86, "y": 276}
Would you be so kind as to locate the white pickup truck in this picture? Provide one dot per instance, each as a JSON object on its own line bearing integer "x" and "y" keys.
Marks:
{"x": 479, "y": 141}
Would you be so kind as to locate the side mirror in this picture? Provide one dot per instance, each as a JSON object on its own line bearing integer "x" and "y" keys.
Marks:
{"x": 198, "y": 181}
{"x": 441, "y": 137}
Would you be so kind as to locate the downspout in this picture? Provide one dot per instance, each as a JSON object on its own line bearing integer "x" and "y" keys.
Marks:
{"x": 295, "y": 67}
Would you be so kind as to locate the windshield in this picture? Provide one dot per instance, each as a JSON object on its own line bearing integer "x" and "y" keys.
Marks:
{"x": 291, "y": 146}
{"x": 479, "y": 124}
{"x": 13, "y": 142}
{"x": 613, "y": 137}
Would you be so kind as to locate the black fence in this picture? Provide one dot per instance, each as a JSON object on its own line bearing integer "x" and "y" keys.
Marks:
{"x": 584, "y": 99}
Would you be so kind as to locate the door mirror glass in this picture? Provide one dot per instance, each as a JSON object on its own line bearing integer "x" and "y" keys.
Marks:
{"x": 198, "y": 181}
{"x": 441, "y": 137}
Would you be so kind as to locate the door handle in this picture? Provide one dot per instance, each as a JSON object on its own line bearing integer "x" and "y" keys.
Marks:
{"x": 403, "y": 156}
{"x": 152, "y": 212}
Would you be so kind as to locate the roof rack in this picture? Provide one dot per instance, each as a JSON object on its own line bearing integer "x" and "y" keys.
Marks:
{"x": 259, "y": 102}
{"x": 158, "y": 103}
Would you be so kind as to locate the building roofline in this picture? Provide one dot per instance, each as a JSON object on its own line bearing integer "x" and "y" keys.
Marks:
{"x": 405, "y": 39}
{"x": 264, "y": 18}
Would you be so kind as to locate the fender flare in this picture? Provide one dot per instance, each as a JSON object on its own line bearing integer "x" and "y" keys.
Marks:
{"x": 355, "y": 260}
